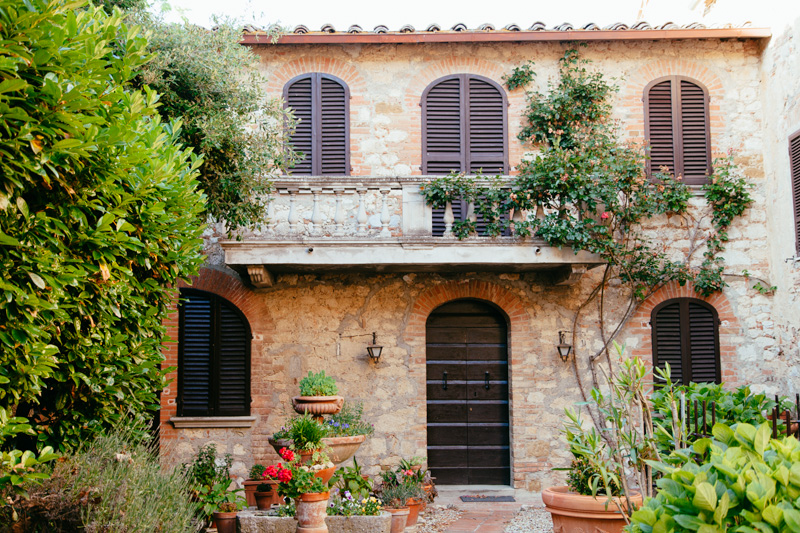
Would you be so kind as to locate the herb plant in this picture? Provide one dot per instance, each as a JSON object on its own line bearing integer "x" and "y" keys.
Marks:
{"x": 348, "y": 422}
{"x": 318, "y": 385}
{"x": 306, "y": 433}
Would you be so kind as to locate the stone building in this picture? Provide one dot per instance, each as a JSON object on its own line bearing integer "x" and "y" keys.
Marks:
{"x": 469, "y": 374}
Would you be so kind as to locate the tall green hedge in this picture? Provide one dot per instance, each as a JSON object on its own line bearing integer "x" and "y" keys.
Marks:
{"x": 98, "y": 219}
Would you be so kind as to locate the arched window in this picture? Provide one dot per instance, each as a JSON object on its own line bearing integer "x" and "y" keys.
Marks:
{"x": 321, "y": 102}
{"x": 686, "y": 335}
{"x": 464, "y": 125}
{"x": 213, "y": 356}
{"x": 677, "y": 128}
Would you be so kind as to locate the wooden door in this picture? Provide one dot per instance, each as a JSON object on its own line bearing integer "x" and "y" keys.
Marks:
{"x": 467, "y": 388}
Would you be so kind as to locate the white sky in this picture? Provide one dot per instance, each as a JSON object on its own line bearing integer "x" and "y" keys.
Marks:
{"x": 421, "y": 13}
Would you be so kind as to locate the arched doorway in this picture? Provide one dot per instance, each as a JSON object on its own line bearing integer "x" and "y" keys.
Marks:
{"x": 467, "y": 394}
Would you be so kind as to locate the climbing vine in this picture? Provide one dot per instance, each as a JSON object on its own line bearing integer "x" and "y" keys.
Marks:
{"x": 584, "y": 187}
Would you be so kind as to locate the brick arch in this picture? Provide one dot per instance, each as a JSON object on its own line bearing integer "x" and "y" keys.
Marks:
{"x": 459, "y": 65}
{"x": 633, "y": 94}
{"x": 228, "y": 285}
{"x": 729, "y": 328}
{"x": 326, "y": 65}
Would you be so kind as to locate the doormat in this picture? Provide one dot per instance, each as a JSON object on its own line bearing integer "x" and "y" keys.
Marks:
{"x": 487, "y": 499}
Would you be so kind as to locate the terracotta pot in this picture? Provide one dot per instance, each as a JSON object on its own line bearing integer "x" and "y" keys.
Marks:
{"x": 317, "y": 405}
{"x": 339, "y": 449}
{"x": 414, "y": 507}
{"x": 399, "y": 518}
{"x": 325, "y": 474}
{"x": 311, "y": 511}
{"x": 250, "y": 487}
{"x": 225, "y": 522}
{"x": 575, "y": 512}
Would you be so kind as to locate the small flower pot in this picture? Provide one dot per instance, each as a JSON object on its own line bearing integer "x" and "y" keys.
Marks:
{"x": 225, "y": 522}
{"x": 399, "y": 518}
{"x": 414, "y": 507}
{"x": 311, "y": 511}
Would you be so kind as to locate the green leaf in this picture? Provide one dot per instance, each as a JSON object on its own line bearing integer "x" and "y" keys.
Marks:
{"x": 13, "y": 84}
{"x": 37, "y": 280}
{"x": 8, "y": 240}
{"x": 772, "y": 515}
{"x": 761, "y": 438}
{"x": 705, "y": 497}
{"x": 792, "y": 519}
{"x": 690, "y": 522}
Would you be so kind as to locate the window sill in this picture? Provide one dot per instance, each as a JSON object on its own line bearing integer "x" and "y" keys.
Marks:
{"x": 180, "y": 422}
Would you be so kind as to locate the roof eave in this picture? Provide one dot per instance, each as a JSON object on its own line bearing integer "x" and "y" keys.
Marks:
{"x": 510, "y": 36}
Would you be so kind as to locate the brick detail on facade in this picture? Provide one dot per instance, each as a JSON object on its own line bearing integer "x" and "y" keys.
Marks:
{"x": 730, "y": 332}
{"x": 522, "y": 376}
{"x": 226, "y": 284}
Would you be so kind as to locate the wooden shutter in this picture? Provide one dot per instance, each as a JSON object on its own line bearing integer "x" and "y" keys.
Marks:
{"x": 463, "y": 130}
{"x": 213, "y": 357}
{"x": 323, "y": 135}
{"x": 196, "y": 355}
{"x": 677, "y": 128}
{"x": 794, "y": 162}
{"x": 686, "y": 335}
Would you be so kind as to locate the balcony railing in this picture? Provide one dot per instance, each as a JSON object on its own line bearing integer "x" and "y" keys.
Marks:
{"x": 377, "y": 224}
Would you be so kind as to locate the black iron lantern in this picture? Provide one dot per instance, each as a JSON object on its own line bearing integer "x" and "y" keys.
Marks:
{"x": 374, "y": 350}
{"x": 563, "y": 347}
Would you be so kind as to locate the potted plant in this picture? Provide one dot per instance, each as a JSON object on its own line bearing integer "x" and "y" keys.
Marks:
{"x": 309, "y": 492}
{"x": 412, "y": 481}
{"x": 600, "y": 493}
{"x": 318, "y": 396}
{"x": 351, "y": 480}
{"x": 394, "y": 498}
{"x": 303, "y": 435}
{"x": 267, "y": 490}
{"x": 225, "y": 517}
{"x": 210, "y": 481}
{"x": 252, "y": 482}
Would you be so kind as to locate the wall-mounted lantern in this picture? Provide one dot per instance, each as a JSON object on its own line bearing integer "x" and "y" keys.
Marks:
{"x": 564, "y": 348}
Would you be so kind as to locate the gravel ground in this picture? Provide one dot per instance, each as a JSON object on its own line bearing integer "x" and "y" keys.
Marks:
{"x": 531, "y": 520}
{"x": 436, "y": 518}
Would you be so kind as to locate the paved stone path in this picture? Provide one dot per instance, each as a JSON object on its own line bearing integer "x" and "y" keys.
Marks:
{"x": 483, "y": 521}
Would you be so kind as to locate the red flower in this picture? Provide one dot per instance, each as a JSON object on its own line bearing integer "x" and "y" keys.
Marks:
{"x": 287, "y": 454}
{"x": 605, "y": 215}
{"x": 271, "y": 472}
{"x": 284, "y": 475}
{"x": 409, "y": 472}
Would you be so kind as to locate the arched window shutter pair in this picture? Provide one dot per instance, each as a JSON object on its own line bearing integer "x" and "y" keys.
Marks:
{"x": 321, "y": 102}
{"x": 213, "y": 357}
{"x": 686, "y": 335}
{"x": 677, "y": 128}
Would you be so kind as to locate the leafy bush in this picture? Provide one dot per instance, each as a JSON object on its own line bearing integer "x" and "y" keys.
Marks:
{"x": 256, "y": 471}
{"x": 211, "y": 480}
{"x": 113, "y": 483}
{"x": 348, "y": 422}
{"x": 584, "y": 478}
{"x": 739, "y": 481}
{"x": 350, "y": 479}
{"x": 318, "y": 385}
{"x": 98, "y": 221}
{"x": 306, "y": 433}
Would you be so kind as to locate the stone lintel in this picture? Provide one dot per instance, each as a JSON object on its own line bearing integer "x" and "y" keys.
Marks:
{"x": 212, "y": 421}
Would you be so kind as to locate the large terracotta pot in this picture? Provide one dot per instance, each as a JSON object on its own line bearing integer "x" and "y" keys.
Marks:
{"x": 317, "y": 405}
{"x": 339, "y": 449}
{"x": 311, "y": 511}
{"x": 399, "y": 518}
{"x": 575, "y": 512}
{"x": 414, "y": 507}
{"x": 225, "y": 522}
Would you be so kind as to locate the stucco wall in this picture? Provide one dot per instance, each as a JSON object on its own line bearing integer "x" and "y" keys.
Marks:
{"x": 298, "y": 321}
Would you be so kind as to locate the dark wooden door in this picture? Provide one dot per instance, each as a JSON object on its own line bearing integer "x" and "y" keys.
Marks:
{"x": 467, "y": 388}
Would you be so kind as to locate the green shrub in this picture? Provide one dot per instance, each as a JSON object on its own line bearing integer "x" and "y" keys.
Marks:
{"x": 741, "y": 480}
{"x": 113, "y": 483}
{"x": 98, "y": 221}
{"x": 256, "y": 471}
{"x": 306, "y": 433}
{"x": 584, "y": 478}
{"x": 318, "y": 385}
{"x": 350, "y": 479}
{"x": 210, "y": 478}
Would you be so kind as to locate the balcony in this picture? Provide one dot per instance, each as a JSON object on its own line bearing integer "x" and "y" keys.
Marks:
{"x": 371, "y": 224}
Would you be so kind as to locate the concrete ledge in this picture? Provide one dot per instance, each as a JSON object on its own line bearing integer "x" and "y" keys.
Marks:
{"x": 259, "y": 522}
{"x": 212, "y": 421}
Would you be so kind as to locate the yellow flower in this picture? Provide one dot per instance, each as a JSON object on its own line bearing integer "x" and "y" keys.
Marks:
{"x": 364, "y": 500}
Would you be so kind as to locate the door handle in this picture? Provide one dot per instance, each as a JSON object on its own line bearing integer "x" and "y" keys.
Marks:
{"x": 486, "y": 381}
{"x": 444, "y": 380}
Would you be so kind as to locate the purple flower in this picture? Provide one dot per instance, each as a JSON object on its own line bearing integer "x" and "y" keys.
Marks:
{"x": 346, "y": 426}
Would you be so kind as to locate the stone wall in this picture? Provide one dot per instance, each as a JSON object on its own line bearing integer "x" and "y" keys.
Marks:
{"x": 781, "y": 97}
{"x": 304, "y": 321}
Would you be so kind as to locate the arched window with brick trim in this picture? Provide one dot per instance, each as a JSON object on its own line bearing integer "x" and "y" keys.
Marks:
{"x": 213, "y": 356}
{"x": 686, "y": 335}
{"x": 464, "y": 129}
{"x": 676, "y": 118}
{"x": 321, "y": 103}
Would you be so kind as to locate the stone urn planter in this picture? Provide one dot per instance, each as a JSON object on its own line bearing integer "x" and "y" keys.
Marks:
{"x": 317, "y": 405}
{"x": 311, "y": 511}
{"x": 339, "y": 449}
{"x": 575, "y": 512}
{"x": 399, "y": 518}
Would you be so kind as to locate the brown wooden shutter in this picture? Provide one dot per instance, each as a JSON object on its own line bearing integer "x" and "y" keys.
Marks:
{"x": 794, "y": 162}
{"x": 323, "y": 135}
{"x": 213, "y": 357}
{"x": 686, "y": 335}
{"x": 677, "y": 128}
{"x": 463, "y": 130}
{"x": 195, "y": 355}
